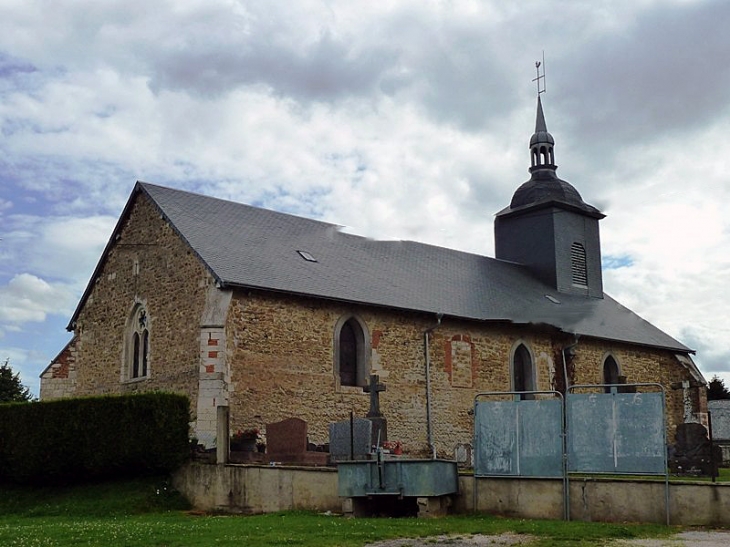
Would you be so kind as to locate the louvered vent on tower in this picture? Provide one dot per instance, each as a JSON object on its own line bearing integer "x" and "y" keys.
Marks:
{"x": 579, "y": 270}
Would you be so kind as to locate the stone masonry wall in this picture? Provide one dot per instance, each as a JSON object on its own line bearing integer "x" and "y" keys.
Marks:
{"x": 148, "y": 264}
{"x": 59, "y": 378}
{"x": 281, "y": 361}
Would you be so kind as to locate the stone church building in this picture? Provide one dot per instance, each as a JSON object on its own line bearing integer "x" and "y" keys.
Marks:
{"x": 277, "y": 316}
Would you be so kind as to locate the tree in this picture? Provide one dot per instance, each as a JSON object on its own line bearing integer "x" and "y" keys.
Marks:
{"x": 11, "y": 389}
{"x": 717, "y": 390}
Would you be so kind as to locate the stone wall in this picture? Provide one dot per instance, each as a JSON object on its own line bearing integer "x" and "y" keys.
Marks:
{"x": 256, "y": 489}
{"x": 59, "y": 378}
{"x": 281, "y": 358}
{"x": 146, "y": 264}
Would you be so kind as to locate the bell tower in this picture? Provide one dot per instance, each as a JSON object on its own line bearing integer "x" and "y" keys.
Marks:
{"x": 548, "y": 227}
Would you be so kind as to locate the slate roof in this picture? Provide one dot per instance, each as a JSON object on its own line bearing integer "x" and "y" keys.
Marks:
{"x": 245, "y": 246}
{"x": 544, "y": 189}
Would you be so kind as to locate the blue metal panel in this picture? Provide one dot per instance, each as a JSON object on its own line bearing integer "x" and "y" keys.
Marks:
{"x": 403, "y": 477}
{"x": 616, "y": 433}
{"x": 519, "y": 438}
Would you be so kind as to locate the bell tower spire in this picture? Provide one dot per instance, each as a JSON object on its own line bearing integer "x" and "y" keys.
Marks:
{"x": 542, "y": 143}
{"x": 547, "y": 225}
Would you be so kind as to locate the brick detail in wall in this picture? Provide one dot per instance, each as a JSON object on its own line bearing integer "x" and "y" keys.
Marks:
{"x": 459, "y": 361}
{"x": 59, "y": 379}
{"x": 212, "y": 384}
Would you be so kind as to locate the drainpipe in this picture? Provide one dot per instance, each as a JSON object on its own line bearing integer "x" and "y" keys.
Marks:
{"x": 429, "y": 429}
{"x": 565, "y": 365}
{"x": 566, "y": 481}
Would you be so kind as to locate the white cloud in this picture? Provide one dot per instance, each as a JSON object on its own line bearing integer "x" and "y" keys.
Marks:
{"x": 27, "y": 298}
{"x": 58, "y": 248}
{"x": 406, "y": 121}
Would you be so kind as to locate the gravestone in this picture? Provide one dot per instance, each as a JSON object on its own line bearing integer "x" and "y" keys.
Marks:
{"x": 464, "y": 456}
{"x": 351, "y": 443}
{"x": 692, "y": 453}
{"x": 380, "y": 424}
{"x": 720, "y": 413}
{"x": 286, "y": 437}
{"x": 286, "y": 442}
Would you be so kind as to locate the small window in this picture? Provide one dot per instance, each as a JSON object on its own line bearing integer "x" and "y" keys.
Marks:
{"x": 138, "y": 345}
{"x": 307, "y": 256}
{"x": 351, "y": 353}
{"x": 348, "y": 355}
{"x": 523, "y": 373}
{"x": 578, "y": 265}
{"x": 610, "y": 373}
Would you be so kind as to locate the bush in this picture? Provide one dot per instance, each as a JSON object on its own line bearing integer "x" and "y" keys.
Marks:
{"x": 75, "y": 440}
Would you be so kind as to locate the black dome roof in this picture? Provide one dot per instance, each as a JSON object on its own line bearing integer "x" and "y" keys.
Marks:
{"x": 543, "y": 187}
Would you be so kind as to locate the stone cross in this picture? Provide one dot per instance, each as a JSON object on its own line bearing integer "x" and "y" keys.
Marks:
{"x": 374, "y": 390}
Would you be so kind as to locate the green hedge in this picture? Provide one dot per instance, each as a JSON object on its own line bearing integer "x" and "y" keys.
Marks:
{"x": 74, "y": 440}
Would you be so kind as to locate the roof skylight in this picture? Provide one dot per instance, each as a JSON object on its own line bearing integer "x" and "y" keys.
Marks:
{"x": 307, "y": 256}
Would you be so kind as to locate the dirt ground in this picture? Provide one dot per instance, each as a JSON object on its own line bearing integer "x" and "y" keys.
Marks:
{"x": 688, "y": 539}
{"x": 457, "y": 541}
{"x": 684, "y": 539}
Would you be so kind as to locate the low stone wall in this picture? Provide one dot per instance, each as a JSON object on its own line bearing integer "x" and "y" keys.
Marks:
{"x": 262, "y": 489}
{"x": 600, "y": 500}
{"x": 258, "y": 489}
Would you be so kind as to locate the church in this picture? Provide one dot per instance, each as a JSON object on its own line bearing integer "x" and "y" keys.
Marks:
{"x": 277, "y": 316}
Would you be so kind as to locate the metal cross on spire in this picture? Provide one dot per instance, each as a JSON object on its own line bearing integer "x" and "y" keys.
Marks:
{"x": 538, "y": 64}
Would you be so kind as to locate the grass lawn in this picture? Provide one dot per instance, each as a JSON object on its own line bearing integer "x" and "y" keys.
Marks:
{"x": 147, "y": 513}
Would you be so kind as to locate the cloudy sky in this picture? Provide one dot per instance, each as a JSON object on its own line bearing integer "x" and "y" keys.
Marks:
{"x": 403, "y": 119}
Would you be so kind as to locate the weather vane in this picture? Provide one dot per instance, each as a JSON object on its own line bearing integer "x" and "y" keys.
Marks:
{"x": 538, "y": 64}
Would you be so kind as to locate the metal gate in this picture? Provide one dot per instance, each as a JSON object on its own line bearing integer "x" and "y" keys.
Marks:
{"x": 604, "y": 431}
{"x": 620, "y": 433}
{"x": 519, "y": 438}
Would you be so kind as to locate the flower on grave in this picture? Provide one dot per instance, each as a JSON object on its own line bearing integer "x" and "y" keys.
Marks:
{"x": 246, "y": 435}
{"x": 245, "y": 440}
{"x": 395, "y": 447}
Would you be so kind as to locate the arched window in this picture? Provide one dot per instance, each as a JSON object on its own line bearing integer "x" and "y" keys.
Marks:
{"x": 523, "y": 373}
{"x": 544, "y": 156}
{"x": 351, "y": 352}
{"x": 610, "y": 372}
{"x": 136, "y": 359}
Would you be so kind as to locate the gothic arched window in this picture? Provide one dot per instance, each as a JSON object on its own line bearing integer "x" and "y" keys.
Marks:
{"x": 137, "y": 353}
{"x": 610, "y": 372}
{"x": 351, "y": 351}
{"x": 523, "y": 372}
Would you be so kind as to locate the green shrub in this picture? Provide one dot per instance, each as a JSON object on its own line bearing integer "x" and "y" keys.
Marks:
{"x": 74, "y": 440}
